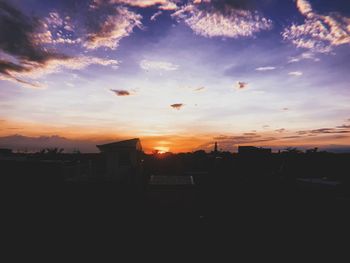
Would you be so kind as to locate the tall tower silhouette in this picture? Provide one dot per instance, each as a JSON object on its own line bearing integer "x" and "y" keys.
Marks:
{"x": 216, "y": 147}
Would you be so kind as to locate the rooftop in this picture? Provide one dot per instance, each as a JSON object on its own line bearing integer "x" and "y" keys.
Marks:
{"x": 132, "y": 143}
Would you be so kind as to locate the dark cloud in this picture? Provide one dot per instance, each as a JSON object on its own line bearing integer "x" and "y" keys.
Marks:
{"x": 327, "y": 130}
{"x": 302, "y": 132}
{"x": 241, "y": 84}
{"x": 120, "y": 92}
{"x": 281, "y": 130}
{"x": 344, "y": 126}
{"x": 285, "y": 109}
{"x": 324, "y": 131}
{"x": 246, "y": 138}
{"x": 16, "y": 40}
{"x": 250, "y": 134}
{"x": 16, "y": 35}
{"x": 177, "y": 106}
{"x": 236, "y": 140}
{"x": 292, "y": 137}
{"x": 7, "y": 67}
{"x": 199, "y": 89}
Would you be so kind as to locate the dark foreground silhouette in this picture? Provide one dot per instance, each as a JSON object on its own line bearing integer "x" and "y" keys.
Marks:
{"x": 288, "y": 199}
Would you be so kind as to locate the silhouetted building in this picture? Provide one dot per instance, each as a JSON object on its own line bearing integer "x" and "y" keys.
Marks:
{"x": 216, "y": 147}
{"x": 253, "y": 151}
{"x": 123, "y": 160}
{"x": 5, "y": 152}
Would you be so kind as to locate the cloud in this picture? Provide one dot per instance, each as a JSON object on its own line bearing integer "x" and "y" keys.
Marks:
{"x": 228, "y": 141}
{"x": 344, "y": 126}
{"x": 23, "y": 83}
{"x": 29, "y": 71}
{"x": 304, "y": 7}
{"x": 16, "y": 36}
{"x": 74, "y": 63}
{"x": 23, "y": 59}
{"x": 177, "y": 106}
{"x": 292, "y": 137}
{"x": 157, "y": 65}
{"x": 20, "y": 53}
{"x": 55, "y": 30}
{"x": 250, "y": 134}
{"x": 162, "y": 4}
{"x": 69, "y": 84}
{"x": 241, "y": 85}
{"x": 295, "y": 73}
{"x": 208, "y": 21}
{"x": 302, "y": 56}
{"x": 54, "y": 65}
{"x": 265, "y": 68}
{"x": 285, "y": 109}
{"x": 121, "y": 92}
{"x": 155, "y": 15}
{"x": 199, "y": 89}
{"x": 337, "y": 130}
{"x": 54, "y": 19}
{"x": 281, "y": 130}
{"x": 319, "y": 33}
{"x": 113, "y": 28}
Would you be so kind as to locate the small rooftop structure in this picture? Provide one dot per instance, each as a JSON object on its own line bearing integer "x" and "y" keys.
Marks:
{"x": 123, "y": 160}
{"x": 127, "y": 144}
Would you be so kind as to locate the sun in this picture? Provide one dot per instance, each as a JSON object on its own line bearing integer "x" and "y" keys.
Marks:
{"x": 161, "y": 149}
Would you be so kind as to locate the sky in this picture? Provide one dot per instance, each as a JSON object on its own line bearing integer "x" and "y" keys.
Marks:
{"x": 179, "y": 75}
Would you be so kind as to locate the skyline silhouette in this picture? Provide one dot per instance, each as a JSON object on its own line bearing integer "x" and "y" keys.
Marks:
{"x": 175, "y": 127}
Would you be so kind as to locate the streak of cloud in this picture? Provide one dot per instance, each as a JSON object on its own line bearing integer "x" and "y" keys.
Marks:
{"x": 265, "y": 68}
{"x": 177, "y": 106}
{"x": 157, "y": 65}
{"x": 295, "y": 73}
{"x": 119, "y": 92}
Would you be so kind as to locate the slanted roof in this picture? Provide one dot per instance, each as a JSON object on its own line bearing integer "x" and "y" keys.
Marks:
{"x": 129, "y": 144}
